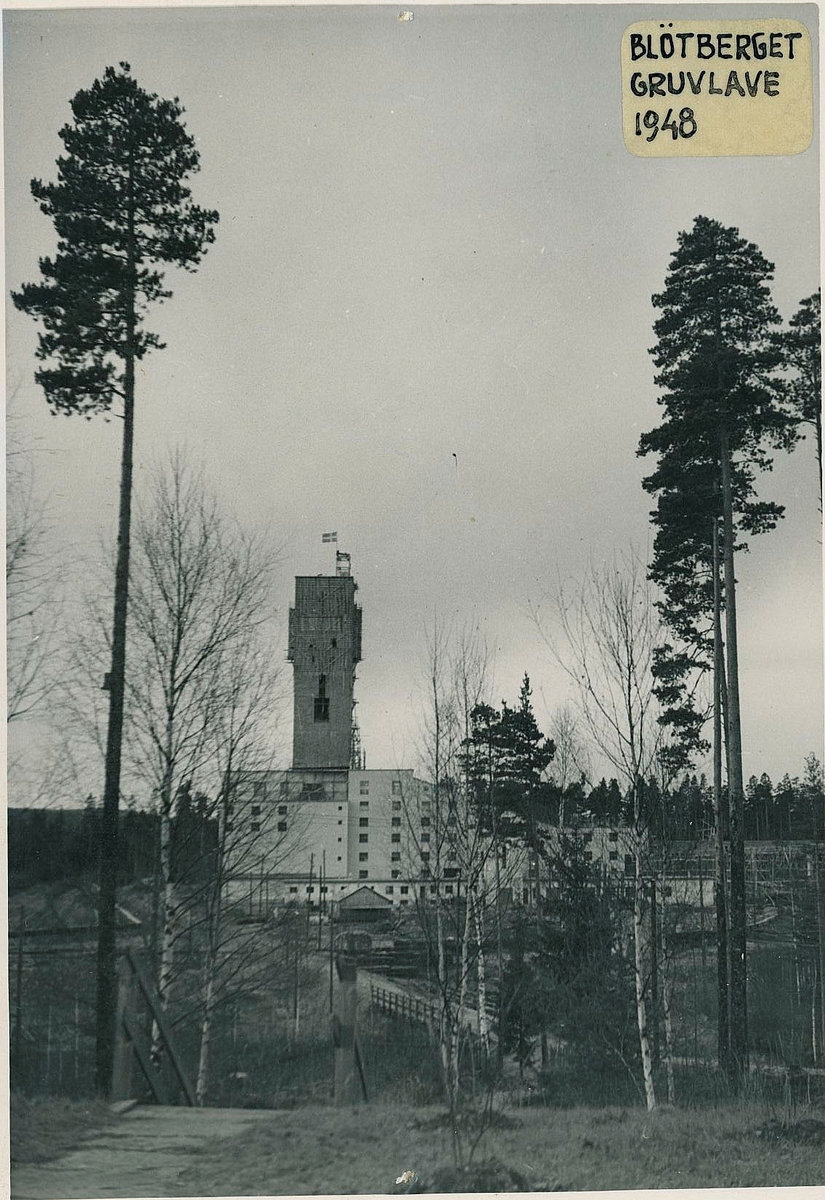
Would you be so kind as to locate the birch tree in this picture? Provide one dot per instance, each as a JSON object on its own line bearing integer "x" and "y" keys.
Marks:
{"x": 200, "y": 592}
{"x": 448, "y": 848}
{"x": 603, "y": 632}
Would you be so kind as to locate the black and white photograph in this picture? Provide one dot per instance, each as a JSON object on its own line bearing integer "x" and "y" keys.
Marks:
{"x": 414, "y": 625}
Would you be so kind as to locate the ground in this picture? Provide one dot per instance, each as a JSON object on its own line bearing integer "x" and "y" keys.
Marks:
{"x": 322, "y": 1150}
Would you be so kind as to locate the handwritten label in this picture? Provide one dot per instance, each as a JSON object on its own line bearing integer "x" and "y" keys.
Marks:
{"x": 693, "y": 88}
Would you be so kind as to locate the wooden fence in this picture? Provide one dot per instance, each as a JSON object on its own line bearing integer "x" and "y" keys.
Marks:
{"x": 400, "y": 1004}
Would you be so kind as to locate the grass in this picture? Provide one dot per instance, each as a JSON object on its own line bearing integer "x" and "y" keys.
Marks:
{"x": 322, "y": 1150}
{"x": 45, "y": 1128}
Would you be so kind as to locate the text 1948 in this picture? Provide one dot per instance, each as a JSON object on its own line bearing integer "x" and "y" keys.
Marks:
{"x": 685, "y": 127}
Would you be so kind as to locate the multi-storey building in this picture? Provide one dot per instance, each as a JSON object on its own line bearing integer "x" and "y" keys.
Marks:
{"x": 326, "y": 826}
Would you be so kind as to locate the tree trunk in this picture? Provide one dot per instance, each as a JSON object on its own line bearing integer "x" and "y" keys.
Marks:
{"x": 483, "y": 1023}
{"x": 720, "y": 813}
{"x": 640, "y": 948}
{"x": 106, "y": 1001}
{"x": 462, "y": 990}
{"x": 202, "y": 1082}
{"x": 500, "y": 954}
{"x": 738, "y": 914}
{"x": 167, "y": 944}
{"x": 667, "y": 996}
{"x": 820, "y": 926}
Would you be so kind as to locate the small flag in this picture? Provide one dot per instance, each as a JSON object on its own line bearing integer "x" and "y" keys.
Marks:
{"x": 329, "y": 537}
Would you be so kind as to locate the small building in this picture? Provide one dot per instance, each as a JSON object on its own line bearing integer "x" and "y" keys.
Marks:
{"x": 364, "y": 906}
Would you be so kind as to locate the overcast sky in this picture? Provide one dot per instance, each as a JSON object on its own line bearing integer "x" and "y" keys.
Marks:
{"x": 424, "y": 322}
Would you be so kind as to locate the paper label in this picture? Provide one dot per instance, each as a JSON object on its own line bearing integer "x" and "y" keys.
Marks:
{"x": 701, "y": 87}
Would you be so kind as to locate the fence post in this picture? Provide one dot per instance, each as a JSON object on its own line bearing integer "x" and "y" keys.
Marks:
{"x": 122, "y": 1081}
{"x": 346, "y": 1082}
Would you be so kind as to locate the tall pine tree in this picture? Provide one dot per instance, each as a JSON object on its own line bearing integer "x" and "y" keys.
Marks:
{"x": 717, "y": 356}
{"x": 121, "y": 209}
{"x": 802, "y": 343}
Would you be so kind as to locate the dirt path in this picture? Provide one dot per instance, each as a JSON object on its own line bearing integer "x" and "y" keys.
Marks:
{"x": 142, "y": 1155}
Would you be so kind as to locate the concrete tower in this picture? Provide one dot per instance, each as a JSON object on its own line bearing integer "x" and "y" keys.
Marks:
{"x": 324, "y": 646}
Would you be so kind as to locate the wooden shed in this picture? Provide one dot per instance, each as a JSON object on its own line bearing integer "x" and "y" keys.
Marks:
{"x": 363, "y": 906}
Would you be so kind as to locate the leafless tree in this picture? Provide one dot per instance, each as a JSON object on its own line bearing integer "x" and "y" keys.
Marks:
{"x": 571, "y": 761}
{"x": 602, "y": 631}
{"x": 447, "y": 848}
{"x": 200, "y": 592}
{"x": 33, "y": 579}
{"x": 244, "y": 744}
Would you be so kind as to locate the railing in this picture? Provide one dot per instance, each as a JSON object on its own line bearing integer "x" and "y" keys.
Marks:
{"x": 417, "y": 1010}
{"x": 399, "y": 1004}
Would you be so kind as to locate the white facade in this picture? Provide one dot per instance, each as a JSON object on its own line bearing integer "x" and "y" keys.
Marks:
{"x": 354, "y": 828}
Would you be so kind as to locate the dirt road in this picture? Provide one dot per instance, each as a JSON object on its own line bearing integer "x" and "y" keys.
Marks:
{"x": 143, "y": 1154}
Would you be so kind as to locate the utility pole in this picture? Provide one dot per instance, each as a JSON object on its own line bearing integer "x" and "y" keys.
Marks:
{"x": 18, "y": 1001}
{"x": 309, "y": 890}
{"x": 321, "y": 877}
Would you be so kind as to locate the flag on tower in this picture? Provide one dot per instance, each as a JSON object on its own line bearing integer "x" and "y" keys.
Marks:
{"x": 329, "y": 537}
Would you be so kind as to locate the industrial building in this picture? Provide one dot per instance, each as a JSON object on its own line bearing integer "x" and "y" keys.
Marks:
{"x": 326, "y": 826}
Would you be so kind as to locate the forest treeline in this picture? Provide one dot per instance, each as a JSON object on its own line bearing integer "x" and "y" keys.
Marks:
{"x": 51, "y": 844}
{"x": 47, "y": 845}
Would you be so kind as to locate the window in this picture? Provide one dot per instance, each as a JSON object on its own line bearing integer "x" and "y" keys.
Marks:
{"x": 588, "y": 856}
{"x": 281, "y": 810}
{"x": 404, "y": 902}
{"x": 284, "y": 787}
{"x": 363, "y": 837}
{"x": 433, "y": 888}
{"x": 389, "y": 890}
{"x": 363, "y": 874}
{"x": 396, "y": 822}
{"x": 396, "y": 806}
{"x": 339, "y": 856}
{"x": 587, "y": 837}
{"x": 423, "y": 890}
{"x": 364, "y": 787}
{"x": 629, "y": 864}
{"x": 395, "y": 837}
{"x": 395, "y": 856}
{"x": 613, "y": 855}
{"x": 396, "y": 787}
{"x": 310, "y": 889}
{"x": 364, "y": 804}
{"x": 395, "y": 875}
{"x": 228, "y": 827}
{"x": 259, "y": 787}
{"x": 426, "y": 806}
{"x": 321, "y": 700}
{"x": 340, "y": 822}
{"x": 613, "y": 836}
{"x": 363, "y": 857}
{"x": 448, "y": 887}
{"x": 363, "y": 821}
{"x": 340, "y": 808}
{"x": 256, "y": 810}
{"x": 404, "y": 889}
{"x": 340, "y": 840}
{"x": 450, "y": 872}
{"x": 255, "y": 826}
{"x": 324, "y": 888}
{"x": 293, "y": 889}
{"x": 282, "y": 827}
{"x": 425, "y": 821}
{"x": 425, "y": 836}
{"x": 334, "y": 643}
{"x": 425, "y": 856}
